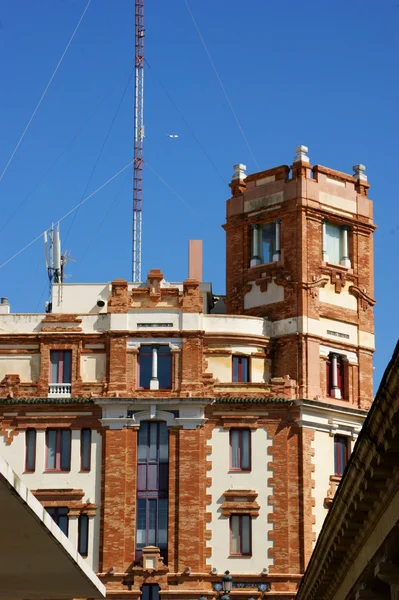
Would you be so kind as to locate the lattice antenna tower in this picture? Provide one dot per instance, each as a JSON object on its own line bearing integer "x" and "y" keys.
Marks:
{"x": 138, "y": 140}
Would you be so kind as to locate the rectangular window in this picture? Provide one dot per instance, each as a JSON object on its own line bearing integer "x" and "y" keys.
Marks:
{"x": 58, "y": 445}
{"x": 61, "y": 366}
{"x": 241, "y": 369}
{"x": 341, "y": 454}
{"x": 333, "y": 243}
{"x": 240, "y": 449}
{"x": 83, "y": 535}
{"x": 85, "y": 449}
{"x": 60, "y": 516}
{"x": 150, "y": 591}
{"x": 30, "y": 450}
{"x": 240, "y": 535}
{"x": 338, "y": 377}
{"x": 152, "y": 486}
{"x": 163, "y": 366}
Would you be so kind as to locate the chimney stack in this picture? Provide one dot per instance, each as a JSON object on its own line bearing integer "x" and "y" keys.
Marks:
{"x": 195, "y": 259}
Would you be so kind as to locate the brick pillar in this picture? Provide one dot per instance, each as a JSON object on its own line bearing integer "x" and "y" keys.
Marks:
{"x": 191, "y": 509}
{"x": 173, "y": 516}
{"x": 307, "y": 500}
{"x": 117, "y": 360}
{"x": 192, "y": 362}
{"x": 119, "y": 499}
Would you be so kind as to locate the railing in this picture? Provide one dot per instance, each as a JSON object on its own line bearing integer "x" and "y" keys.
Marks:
{"x": 59, "y": 390}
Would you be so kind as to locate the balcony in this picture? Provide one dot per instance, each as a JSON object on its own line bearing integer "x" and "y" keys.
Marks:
{"x": 59, "y": 390}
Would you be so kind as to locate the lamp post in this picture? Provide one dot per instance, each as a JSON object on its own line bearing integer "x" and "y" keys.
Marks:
{"x": 227, "y": 584}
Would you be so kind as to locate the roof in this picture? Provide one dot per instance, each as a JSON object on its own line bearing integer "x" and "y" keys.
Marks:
{"x": 367, "y": 486}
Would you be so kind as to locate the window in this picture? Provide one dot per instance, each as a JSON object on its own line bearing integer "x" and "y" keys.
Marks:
{"x": 152, "y": 487}
{"x": 60, "y": 516}
{"x": 157, "y": 360}
{"x": 335, "y": 244}
{"x": 240, "y": 449}
{"x": 240, "y": 535}
{"x": 266, "y": 243}
{"x": 85, "y": 449}
{"x": 240, "y": 369}
{"x": 150, "y": 592}
{"x": 83, "y": 535}
{"x": 61, "y": 362}
{"x": 30, "y": 450}
{"x": 58, "y": 444}
{"x": 341, "y": 454}
{"x": 335, "y": 376}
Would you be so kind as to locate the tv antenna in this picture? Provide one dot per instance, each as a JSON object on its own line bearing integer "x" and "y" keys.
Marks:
{"x": 138, "y": 140}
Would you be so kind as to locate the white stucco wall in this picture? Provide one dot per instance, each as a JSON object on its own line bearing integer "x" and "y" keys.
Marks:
{"x": 223, "y": 480}
{"x": 89, "y": 482}
{"x": 344, "y": 299}
{"x": 323, "y": 461}
{"x": 274, "y": 293}
{"x": 27, "y": 366}
{"x": 92, "y": 367}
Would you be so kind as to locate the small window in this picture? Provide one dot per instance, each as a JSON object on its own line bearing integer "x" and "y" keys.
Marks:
{"x": 335, "y": 376}
{"x": 341, "y": 454}
{"x": 60, "y": 516}
{"x": 268, "y": 242}
{"x": 85, "y": 449}
{"x": 61, "y": 366}
{"x": 30, "y": 450}
{"x": 83, "y": 535}
{"x": 240, "y": 535}
{"x": 150, "y": 591}
{"x": 240, "y": 449}
{"x": 240, "y": 369}
{"x": 58, "y": 443}
{"x": 162, "y": 366}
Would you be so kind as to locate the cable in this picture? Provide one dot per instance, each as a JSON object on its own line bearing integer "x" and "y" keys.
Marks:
{"x": 101, "y": 151}
{"x": 186, "y": 123}
{"x": 175, "y": 193}
{"x": 71, "y": 141}
{"x": 45, "y": 91}
{"x": 222, "y": 86}
{"x": 69, "y": 212}
{"x": 118, "y": 193}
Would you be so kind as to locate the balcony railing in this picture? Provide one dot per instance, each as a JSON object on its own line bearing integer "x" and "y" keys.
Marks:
{"x": 59, "y": 390}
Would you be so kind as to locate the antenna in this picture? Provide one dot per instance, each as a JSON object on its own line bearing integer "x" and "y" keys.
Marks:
{"x": 55, "y": 261}
{"x": 138, "y": 140}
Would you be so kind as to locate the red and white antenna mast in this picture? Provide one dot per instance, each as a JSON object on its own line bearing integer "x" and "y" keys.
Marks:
{"x": 138, "y": 140}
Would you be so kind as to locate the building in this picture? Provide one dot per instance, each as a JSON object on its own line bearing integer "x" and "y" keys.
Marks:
{"x": 175, "y": 434}
{"x": 357, "y": 553}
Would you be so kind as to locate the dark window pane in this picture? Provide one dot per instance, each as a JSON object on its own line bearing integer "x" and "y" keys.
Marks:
{"x": 143, "y": 441}
{"x": 152, "y": 522}
{"x": 164, "y": 370}
{"x": 141, "y": 477}
{"x": 235, "y": 448}
{"x": 244, "y": 369}
{"x": 51, "y": 448}
{"x": 54, "y": 366}
{"x": 163, "y": 477}
{"x": 246, "y": 534}
{"x": 141, "y": 523}
{"x": 145, "y": 592}
{"x": 235, "y": 368}
{"x": 162, "y": 523}
{"x": 145, "y": 367}
{"x": 153, "y": 441}
{"x": 30, "y": 450}
{"x": 163, "y": 443}
{"x": 152, "y": 477}
{"x": 63, "y": 523}
{"x": 268, "y": 242}
{"x": 83, "y": 535}
{"x": 67, "y": 367}
{"x": 65, "y": 450}
{"x": 235, "y": 534}
{"x": 245, "y": 445}
{"x": 85, "y": 448}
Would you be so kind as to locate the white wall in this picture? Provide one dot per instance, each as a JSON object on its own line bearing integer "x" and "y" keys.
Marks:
{"x": 89, "y": 482}
{"x": 92, "y": 367}
{"x": 223, "y": 480}
{"x": 27, "y": 366}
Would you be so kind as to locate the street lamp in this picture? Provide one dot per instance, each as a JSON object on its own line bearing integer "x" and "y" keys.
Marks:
{"x": 227, "y": 584}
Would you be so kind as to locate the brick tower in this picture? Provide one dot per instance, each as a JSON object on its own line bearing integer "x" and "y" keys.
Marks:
{"x": 300, "y": 254}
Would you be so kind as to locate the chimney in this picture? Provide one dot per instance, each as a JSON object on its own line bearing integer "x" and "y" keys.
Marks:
{"x": 4, "y": 306}
{"x": 195, "y": 259}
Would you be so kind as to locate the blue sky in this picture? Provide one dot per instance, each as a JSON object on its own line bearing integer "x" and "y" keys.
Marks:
{"x": 318, "y": 73}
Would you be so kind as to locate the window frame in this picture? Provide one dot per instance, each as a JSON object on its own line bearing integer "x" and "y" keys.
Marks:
{"x": 240, "y": 468}
{"x": 342, "y": 366}
{"x": 58, "y": 450}
{"x": 338, "y": 439}
{"x": 239, "y": 358}
{"x": 142, "y": 353}
{"x": 60, "y": 366}
{"x": 29, "y": 431}
{"x": 84, "y": 469}
{"x": 86, "y": 537}
{"x": 240, "y": 518}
